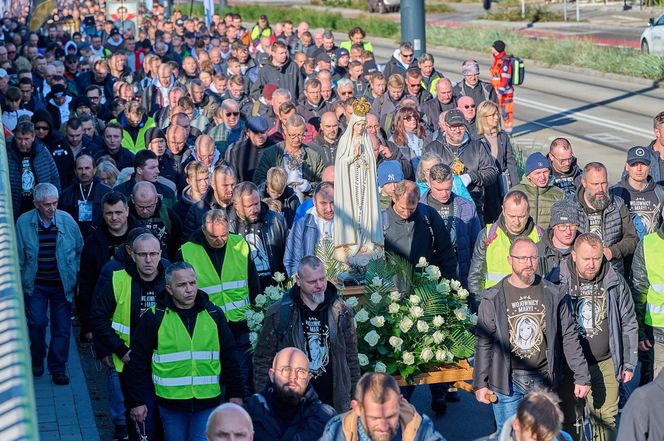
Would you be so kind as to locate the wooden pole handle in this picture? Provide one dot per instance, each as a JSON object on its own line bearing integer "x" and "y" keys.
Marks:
{"x": 469, "y": 388}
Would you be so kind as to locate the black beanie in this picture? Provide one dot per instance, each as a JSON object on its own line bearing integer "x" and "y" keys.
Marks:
{"x": 499, "y": 45}
{"x": 153, "y": 133}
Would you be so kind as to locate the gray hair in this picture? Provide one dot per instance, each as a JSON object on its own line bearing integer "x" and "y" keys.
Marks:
{"x": 345, "y": 82}
{"x": 45, "y": 190}
{"x": 142, "y": 237}
{"x": 284, "y": 93}
{"x": 312, "y": 262}
{"x": 428, "y": 156}
{"x": 227, "y": 103}
{"x": 215, "y": 216}
{"x": 144, "y": 186}
{"x": 328, "y": 34}
{"x": 244, "y": 188}
{"x": 168, "y": 275}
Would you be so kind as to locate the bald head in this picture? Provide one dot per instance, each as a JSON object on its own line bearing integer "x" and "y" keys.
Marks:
{"x": 290, "y": 357}
{"x": 290, "y": 375}
{"x": 229, "y": 422}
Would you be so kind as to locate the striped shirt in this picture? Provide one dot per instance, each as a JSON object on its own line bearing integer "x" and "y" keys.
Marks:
{"x": 47, "y": 264}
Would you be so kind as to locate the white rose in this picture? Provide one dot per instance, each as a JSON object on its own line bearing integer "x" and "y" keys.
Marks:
{"x": 396, "y": 342}
{"x": 249, "y": 315}
{"x": 377, "y": 282}
{"x": 438, "y": 337}
{"x": 438, "y": 321}
{"x": 253, "y": 338}
{"x": 460, "y": 313}
{"x": 405, "y": 324}
{"x": 378, "y": 321}
{"x": 443, "y": 287}
{"x": 449, "y": 357}
{"x": 363, "y": 359}
{"x": 376, "y": 298}
{"x": 422, "y": 326}
{"x": 393, "y": 308}
{"x": 408, "y": 358}
{"x": 416, "y": 311}
{"x": 463, "y": 293}
{"x": 380, "y": 367}
{"x": 426, "y": 355}
{"x": 273, "y": 292}
{"x": 473, "y": 318}
{"x": 362, "y": 316}
{"x": 440, "y": 355}
{"x": 372, "y": 338}
{"x": 395, "y": 296}
{"x": 455, "y": 285}
{"x": 433, "y": 272}
{"x": 279, "y": 277}
{"x": 415, "y": 300}
{"x": 422, "y": 263}
{"x": 260, "y": 300}
{"x": 258, "y": 318}
{"x": 352, "y": 301}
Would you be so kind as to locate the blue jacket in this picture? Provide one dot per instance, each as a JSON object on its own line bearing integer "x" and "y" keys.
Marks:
{"x": 301, "y": 242}
{"x": 68, "y": 248}
{"x": 467, "y": 227}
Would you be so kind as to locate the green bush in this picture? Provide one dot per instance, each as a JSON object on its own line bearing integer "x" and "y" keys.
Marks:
{"x": 534, "y": 14}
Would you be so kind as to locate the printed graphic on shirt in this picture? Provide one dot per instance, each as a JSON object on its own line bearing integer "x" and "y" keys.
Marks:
{"x": 590, "y": 309}
{"x": 645, "y": 213}
{"x": 318, "y": 350}
{"x": 148, "y": 300}
{"x": 595, "y": 221}
{"x": 258, "y": 253}
{"x": 27, "y": 178}
{"x": 526, "y": 324}
{"x": 566, "y": 184}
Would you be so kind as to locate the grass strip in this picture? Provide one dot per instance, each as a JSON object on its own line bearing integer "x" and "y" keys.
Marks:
{"x": 577, "y": 53}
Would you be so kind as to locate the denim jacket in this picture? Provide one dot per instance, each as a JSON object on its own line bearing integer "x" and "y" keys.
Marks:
{"x": 68, "y": 248}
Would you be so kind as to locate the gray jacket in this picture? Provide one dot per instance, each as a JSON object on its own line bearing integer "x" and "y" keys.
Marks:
{"x": 618, "y": 233}
{"x": 492, "y": 350}
{"x": 642, "y": 418}
{"x": 623, "y": 330}
{"x": 343, "y": 344}
{"x": 68, "y": 249}
{"x": 550, "y": 258}
{"x": 640, "y": 285}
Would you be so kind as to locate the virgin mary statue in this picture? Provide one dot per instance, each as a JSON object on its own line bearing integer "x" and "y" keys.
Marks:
{"x": 358, "y": 230}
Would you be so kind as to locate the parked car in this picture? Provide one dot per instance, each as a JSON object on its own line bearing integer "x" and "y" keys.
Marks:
{"x": 652, "y": 39}
{"x": 383, "y": 6}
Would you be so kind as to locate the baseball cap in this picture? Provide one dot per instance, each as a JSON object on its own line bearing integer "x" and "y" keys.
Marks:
{"x": 342, "y": 52}
{"x": 257, "y": 124}
{"x": 454, "y": 117}
{"x": 179, "y": 22}
{"x": 58, "y": 90}
{"x": 189, "y": 35}
{"x": 115, "y": 31}
{"x": 322, "y": 56}
{"x": 389, "y": 171}
{"x": 638, "y": 154}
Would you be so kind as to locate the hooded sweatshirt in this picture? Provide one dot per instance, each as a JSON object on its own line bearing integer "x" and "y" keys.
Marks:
{"x": 645, "y": 206}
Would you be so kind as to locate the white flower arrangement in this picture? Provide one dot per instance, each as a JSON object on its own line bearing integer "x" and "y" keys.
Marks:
{"x": 256, "y": 315}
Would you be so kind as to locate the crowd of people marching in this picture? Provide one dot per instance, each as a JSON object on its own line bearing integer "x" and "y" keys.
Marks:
{"x": 163, "y": 169}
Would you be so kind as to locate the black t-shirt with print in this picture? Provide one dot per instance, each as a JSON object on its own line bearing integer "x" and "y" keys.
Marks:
{"x": 527, "y": 325}
{"x": 446, "y": 211}
{"x": 317, "y": 347}
{"x": 28, "y": 183}
{"x": 590, "y": 310}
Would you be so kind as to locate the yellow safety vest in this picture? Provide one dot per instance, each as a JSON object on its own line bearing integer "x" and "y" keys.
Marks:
{"x": 497, "y": 266}
{"x": 653, "y": 249}
{"x": 230, "y": 292}
{"x": 121, "y": 320}
{"x": 186, "y": 366}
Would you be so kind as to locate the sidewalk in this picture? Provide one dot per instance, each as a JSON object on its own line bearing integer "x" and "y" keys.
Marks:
{"x": 65, "y": 412}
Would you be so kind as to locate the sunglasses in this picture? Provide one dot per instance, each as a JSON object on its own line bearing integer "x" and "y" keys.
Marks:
{"x": 469, "y": 106}
{"x": 406, "y": 55}
{"x": 41, "y": 128}
{"x": 232, "y": 113}
{"x": 411, "y": 118}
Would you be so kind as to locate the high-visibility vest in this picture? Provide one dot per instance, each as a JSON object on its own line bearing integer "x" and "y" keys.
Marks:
{"x": 186, "y": 366}
{"x": 498, "y": 248}
{"x": 653, "y": 249}
{"x": 121, "y": 320}
{"x": 230, "y": 292}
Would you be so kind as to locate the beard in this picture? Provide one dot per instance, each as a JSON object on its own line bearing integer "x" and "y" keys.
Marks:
{"x": 527, "y": 279}
{"x": 599, "y": 202}
{"x": 383, "y": 436}
{"x": 286, "y": 395}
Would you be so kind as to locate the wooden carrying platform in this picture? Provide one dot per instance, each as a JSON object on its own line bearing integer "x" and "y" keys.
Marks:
{"x": 448, "y": 373}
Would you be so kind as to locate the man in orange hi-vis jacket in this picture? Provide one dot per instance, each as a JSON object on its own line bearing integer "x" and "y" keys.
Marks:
{"x": 501, "y": 80}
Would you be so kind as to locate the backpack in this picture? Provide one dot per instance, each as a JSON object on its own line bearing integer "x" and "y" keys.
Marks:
{"x": 518, "y": 70}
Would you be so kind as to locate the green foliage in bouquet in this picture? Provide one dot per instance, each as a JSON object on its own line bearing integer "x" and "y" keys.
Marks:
{"x": 263, "y": 302}
{"x": 410, "y": 319}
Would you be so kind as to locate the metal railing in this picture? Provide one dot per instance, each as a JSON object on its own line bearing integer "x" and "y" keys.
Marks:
{"x": 18, "y": 415}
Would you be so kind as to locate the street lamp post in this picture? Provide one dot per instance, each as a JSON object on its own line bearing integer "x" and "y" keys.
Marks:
{"x": 412, "y": 25}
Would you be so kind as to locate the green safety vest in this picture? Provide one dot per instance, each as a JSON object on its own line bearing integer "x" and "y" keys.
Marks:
{"x": 653, "y": 249}
{"x": 135, "y": 146}
{"x": 186, "y": 366}
{"x": 497, "y": 266}
{"x": 230, "y": 292}
{"x": 121, "y": 320}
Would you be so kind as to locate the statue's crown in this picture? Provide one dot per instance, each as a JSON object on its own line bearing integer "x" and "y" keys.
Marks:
{"x": 361, "y": 107}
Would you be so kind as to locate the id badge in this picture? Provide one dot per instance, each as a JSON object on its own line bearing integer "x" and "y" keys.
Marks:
{"x": 84, "y": 211}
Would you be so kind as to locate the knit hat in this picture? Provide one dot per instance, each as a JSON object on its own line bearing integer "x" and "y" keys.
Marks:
{"x": 80, "y": 101}
{"x": 389, "y": 171}
{"x": 154, "y": 133}
{"x": 535, "y": 162}
{"x": 564, "y": 212}
{"x": 499, "y": 45}
{"x": 268, "y": 90}
{"x": 369, "y": 67}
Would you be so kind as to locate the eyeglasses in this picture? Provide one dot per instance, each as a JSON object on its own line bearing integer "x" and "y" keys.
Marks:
{"x": 228, "y": 114}
{"x": 152, "y": 254}
{"x": 285, "y": 371}
{"x": 145, "y": 207}
{"x": 563, "y": 160}
{"x": 524, "y": 259}
{"x": 406, "y": 55}
{"x": 565, "y": 227}
{"x": 45, "y": 128}
{"x": 469, "y": 106}
{"x": 11, "y": 52}
{"x": 413, "y": 85}
{"x": 295, "y": 135}
{"x": 350, "y": 92}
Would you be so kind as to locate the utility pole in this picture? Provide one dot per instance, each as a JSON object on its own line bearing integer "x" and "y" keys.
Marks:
{"x": 413, "y": 25}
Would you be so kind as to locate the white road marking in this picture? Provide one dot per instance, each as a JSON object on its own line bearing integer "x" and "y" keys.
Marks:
{"x": 614, "y": 125}
{"x": 608, "y": 138}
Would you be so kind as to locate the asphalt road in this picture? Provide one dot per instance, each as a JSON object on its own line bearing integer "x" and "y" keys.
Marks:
{"x": 601, "y": 117}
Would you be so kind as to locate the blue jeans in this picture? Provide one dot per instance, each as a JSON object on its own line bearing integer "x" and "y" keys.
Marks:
{"x": 522, "y": 383}
{"x": 151, "y": 423}
{"x": 115, "y": 397}
{"x": 36, "y": 306}
{"x": 184, "y": 426}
